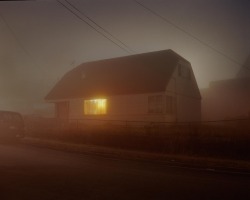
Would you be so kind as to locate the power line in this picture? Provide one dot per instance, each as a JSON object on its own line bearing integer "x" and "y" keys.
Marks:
{"x": 186, "y": 32}
{"x": 14, "y": 35}
{"x": 103, "y": 29}
{"x": 18, "y": 41}
{"x": 91, "y": 26}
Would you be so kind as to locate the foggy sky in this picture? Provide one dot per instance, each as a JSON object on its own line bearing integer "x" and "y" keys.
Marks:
{"x": 46, "y": 40}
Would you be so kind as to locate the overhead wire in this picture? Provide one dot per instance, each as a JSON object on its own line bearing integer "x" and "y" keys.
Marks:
{"x": 16, "y": 38}
{"x": 12, "y": 32}
{"x": 103, "y": 29}
{"x": 19, "y": 43}
{"x": 187, "y": 33}
{"x": 91, "y": 26}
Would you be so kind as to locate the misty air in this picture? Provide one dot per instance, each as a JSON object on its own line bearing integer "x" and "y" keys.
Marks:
{"x": 124, "y": 99}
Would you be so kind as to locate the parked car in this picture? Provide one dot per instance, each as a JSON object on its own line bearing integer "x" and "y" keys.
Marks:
{"x": 11, "y": 125}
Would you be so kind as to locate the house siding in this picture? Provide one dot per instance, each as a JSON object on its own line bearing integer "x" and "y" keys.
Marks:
{"x": 187, "y": 95}
{"x": 125, "y": 108}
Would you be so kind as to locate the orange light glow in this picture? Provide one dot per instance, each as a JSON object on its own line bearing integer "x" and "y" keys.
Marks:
{"x": 95, "y": 107}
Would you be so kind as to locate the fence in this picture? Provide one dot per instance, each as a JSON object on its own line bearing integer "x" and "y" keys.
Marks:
{"x": 227, "y": 138}
{"x": 237, "y": 126}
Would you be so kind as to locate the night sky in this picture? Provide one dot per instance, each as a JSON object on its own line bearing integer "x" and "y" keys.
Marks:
{"x": 41, "y": 40}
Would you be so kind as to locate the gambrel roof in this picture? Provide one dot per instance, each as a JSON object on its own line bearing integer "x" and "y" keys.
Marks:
{"x": 134, "y": 74}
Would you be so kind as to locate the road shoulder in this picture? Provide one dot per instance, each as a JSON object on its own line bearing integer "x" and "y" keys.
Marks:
{"x": 204, "y": 163}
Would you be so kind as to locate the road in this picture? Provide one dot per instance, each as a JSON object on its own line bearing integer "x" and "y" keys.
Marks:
{"x": 28, "y": 172}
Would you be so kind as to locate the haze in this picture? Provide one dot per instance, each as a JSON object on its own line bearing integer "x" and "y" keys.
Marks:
{"x": 42, "y": 40}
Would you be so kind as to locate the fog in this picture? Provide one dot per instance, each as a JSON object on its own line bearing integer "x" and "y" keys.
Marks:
{"x": 42, "y": 40}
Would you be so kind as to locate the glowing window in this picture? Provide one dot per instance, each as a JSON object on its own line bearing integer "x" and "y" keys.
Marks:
{"x": 95, "y": 107}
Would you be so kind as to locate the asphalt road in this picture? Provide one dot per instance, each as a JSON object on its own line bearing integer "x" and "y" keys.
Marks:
{"x": 28, "y": 172}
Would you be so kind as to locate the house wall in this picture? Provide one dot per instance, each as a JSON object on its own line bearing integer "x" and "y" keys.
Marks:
{"x": 62, "y": 110}
{"x": 123, "y": 107}
{"x": 135, "y": 108}
{"x": 186, "y": 92}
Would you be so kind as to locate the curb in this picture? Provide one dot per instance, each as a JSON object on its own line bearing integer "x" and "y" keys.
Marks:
{"x": 181, "y": 161}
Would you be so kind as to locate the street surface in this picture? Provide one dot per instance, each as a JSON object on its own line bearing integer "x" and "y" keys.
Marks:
{"x": 28, "y": 172}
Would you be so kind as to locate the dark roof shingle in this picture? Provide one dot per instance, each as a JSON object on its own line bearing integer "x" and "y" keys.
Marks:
{"x": 135, "y": 74}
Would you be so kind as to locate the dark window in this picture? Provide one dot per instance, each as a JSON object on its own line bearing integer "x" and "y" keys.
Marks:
{"x": 155, "y": 104}
{"x": 184, "y": 71}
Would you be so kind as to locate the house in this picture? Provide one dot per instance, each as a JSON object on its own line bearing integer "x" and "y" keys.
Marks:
{"x": 156, "y": 86}
{"x": 228, "y": 99}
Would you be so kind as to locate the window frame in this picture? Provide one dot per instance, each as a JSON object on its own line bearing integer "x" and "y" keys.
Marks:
{"x": 156, "y": 104}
